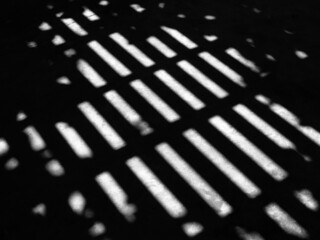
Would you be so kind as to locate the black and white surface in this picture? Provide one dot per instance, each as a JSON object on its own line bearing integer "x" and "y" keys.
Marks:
{"x": 159, "y": 120}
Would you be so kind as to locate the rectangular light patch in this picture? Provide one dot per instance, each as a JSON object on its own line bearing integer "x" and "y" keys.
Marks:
{"x": 108, "y": 58}
{"x": 163, "y": 195}
{"x": 102, "y": 126}
{"x": 223, "y": 68}
{"x": 151, "y": 97}
{"x": 180, "y": 90}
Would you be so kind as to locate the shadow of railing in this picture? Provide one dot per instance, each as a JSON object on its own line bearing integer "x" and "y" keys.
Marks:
{"x": 159, "y": 119}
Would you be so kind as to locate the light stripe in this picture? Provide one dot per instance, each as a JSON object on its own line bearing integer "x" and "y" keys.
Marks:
{"x": 240, "y": 58}
{"x": 74, "y": 26}
{"x": 202, "y": 79}
{"x": 75, "y": 141}
{"x": 224, "y": 69}
{"x": 4, "y": 147}
{"x": 90, "y": 73}
{"x": 132, "y": 49}
{"x": 285, "y": 221}
{"x": 151, "y": 97}
{"x": 180, "y": 90}
{"x": 102, "y": 126}
{"x": 259, "y": 157}
{"x": 222, "y": 163}
{"x": 36, "y": 141}
{"x": 305, "y": 196}
{"x": 264, "y": 127}
{"x": 292, "y": 119}
{"x": 113, "y": 62}
{"x": 90, "y": 15}
{"x": 161, "y": 47}
{"x": 163, "y": 195}
{"x": 128, "y": 112}
{"x": 205, "y": 191}
{"x": 179, "y": 37}
{"x": 117, "y": 195}
{"x": 137, "y": 8}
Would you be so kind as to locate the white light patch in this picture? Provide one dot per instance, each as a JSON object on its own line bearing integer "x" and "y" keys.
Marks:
{"x": 223, "y": 68}
{"x": 11, "y": 164}
{"x": 90, "y": 73}
{"x": 36, "y": 141}
{"x": 102, "y": 126}
{"x": 161, "y": 5}
{"x": 106, "y": 56}
{"x": 132, "y": 50}
{"x": 240, "y": 58}
{"x": 91, "y": 16}
{"x": 32, "y": 44}
{"x": 209, "y": 17}
{"x": 104, "y": 3}
{"x": 270, "y": 57}
{"x": 97, "y": 229}
{"x": 44, "y": 26}
{"x": 75, "y": 141}
{"x": 74, "y": 26}
{"x": 128, "y": 112}
{"x": 40, "y": 209}
{"x": 168, "y": 201}
{"x": 192, "y": 229}
{"x": 205, "y": 191}
{"x": 55, "y": 168}
{"x": 264, "y": 127}
{"x": 285, "y": 221}
{"x": 179, "y": 37}
{"x": 21, "y": 116}
{"x": 137, "y": 8}
{"x": 59, "y": 14}
{"x": 181, "y": 16}
{"x": 259, "y": 157}
{"x": 4, "y": 147}
{"x": 210, "y": 38}
{"x": 202, "y": 79}
{"x": 306, "y": 198}
{"x": 70, "y": 52}
{"x": 117, "y": 195}
{"x": 64, "y": 80}
{"x": 222, "y": 163}
{"x": 58, "y": 40}
{"x": 77, "y": 202}
{"x": 161, "y": 47}
{"x": 248, "y": 236}
{"x": 301, "y": 54}
{"x": 151, "y": 97}
{"x": 293, "y": 120}
{"x": 180, "y": 90}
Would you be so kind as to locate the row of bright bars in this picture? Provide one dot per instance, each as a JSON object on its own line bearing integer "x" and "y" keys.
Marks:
{"x": 136, "y": 120}
{"x": 160, "y": 192}
{"x": 170, "y": 203}
{"x": 165, "y": 197}
{"x": 145, "y": 60}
